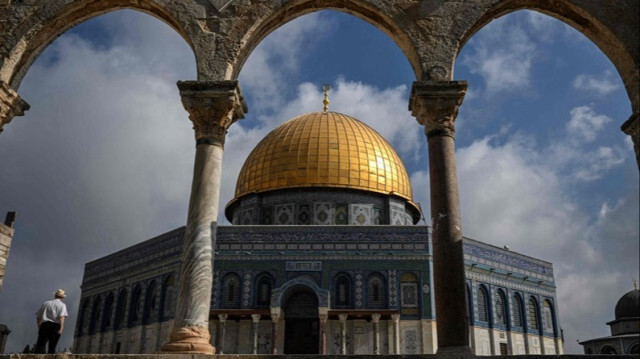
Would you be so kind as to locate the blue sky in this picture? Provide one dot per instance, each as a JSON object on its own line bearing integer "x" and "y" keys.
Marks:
{"x": 103, "y": 159}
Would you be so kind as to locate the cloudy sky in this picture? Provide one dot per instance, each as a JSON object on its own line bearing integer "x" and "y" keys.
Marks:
{"x": 104, "y": 157}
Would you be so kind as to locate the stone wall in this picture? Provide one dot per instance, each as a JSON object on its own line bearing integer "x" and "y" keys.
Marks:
{"x": 6, "y": 236}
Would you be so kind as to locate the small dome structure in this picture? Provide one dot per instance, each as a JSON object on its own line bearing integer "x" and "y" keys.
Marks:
{"x": 628, "y": 305}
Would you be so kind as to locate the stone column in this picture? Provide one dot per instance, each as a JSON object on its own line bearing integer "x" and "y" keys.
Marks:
{"x": 632, "y": 128}
{"x": 396, "y": 333}
{"x": 375, "y": 318}
{"x": 274, "y": 332}
{"x": 435, "y": 105}
{"x": 323, "y": 333}
{"x": 11, "y": 104}
{"x": 222, "y": 331}
{"x": 255, "y": 318}
{"x": 343, "y": 333}
{"x": 212, "y": 107}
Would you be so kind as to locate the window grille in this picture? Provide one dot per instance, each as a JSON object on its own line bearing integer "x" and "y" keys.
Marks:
{"x": 533, "y": 314}
{"x": 501, "y": 317}
{"x": 517, "y": 311}
{"x": 482, "y": 299}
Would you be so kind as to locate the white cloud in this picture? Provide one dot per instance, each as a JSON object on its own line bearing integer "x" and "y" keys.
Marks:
{"x": 585, "y": 123}
{"x": 276, "y": 58}
{"x": 503, "y": 56}
{"x": 514, "y": 194}
{"x": 601, "y": 85}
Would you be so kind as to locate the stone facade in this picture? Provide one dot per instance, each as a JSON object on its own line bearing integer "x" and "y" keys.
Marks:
{"x": 257, "y": 268}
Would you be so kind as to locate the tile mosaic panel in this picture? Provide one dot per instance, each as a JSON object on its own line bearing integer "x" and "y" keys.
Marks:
{"x": 361, "y": 214}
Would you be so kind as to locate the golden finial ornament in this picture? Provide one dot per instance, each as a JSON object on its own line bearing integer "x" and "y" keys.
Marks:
{"x": 326, "y": 89}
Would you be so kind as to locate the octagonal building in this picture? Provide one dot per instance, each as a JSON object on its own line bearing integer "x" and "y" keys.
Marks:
{"x": 324, "y": 255}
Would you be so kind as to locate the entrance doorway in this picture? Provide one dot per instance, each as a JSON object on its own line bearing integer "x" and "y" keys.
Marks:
{"x": 301, "y": 324}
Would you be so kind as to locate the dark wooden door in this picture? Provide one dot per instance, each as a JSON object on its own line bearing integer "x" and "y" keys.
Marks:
{"x": 301, "y": 324}
{"x": 301, "y": 336}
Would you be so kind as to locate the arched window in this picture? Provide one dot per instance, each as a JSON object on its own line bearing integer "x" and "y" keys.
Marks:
{"x": 231, "y": 291}
{"x": 483, "y": 304}
{"x": 533, "y": 314}
{"x": 376, "y": 291}
{"x": 634, "y": 349}
{"x": 608, "y": 349}
{"x": 264, "y": 284}
{"x": 150, "y": 306}
{"x": 136, "y": 305}
{"x": 342, "y": 291}
{"x": 121, "y": 308}
{"x": 548, "y": 317}
{"x": 168, "y": 304}
{"x": 518, "y": 319}
{"x": 409, "y": 290}
{"x": 96, "y": 314}
{"x": 501, "y": 308}
{"x": 108, "y": 312}
{"x": 84, "y": 317}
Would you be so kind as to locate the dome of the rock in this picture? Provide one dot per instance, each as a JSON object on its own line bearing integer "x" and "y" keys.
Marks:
{"x": 325, "y": 150}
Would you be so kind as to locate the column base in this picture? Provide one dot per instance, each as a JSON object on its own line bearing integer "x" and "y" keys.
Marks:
{"x": 462, "y": 352}
{"x": 191, "y": 340}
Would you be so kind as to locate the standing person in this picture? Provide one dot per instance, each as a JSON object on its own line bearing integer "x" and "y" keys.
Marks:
{"x": 50, "y": 318}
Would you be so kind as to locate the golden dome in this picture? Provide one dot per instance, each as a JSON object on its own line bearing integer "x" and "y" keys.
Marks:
{"x": 324, "y": 149}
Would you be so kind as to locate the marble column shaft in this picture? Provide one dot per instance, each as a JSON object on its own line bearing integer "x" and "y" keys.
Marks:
{"x": 435, "y": 105}
{"x": 274, "y": 333}
{"x": 222, "y": 332}
{"x": 376, "y": 333}
{"x": 323, "y": 333}
{"x": 212, "y": 107}
{"x": 343, "y": 333}
{"x": 255, "y": 319}
{"x": 396, "y": 332}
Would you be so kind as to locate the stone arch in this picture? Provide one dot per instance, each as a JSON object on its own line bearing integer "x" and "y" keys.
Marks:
{"x": 107, "y": 319}
{"x": 48, "y": 20}
{"x": 549, "y": 317}
{"x": 605, "y": 27}
{"x": 84, "y": 313}
{"x": 150, "y": 311}
{"x": 608, "y": 349}
{"x": 280, "y": 295}
{"x": 501, "y": 309}
{"x": 96, "y": 315}
{"x": 386, "y": 16}
{"x": 342, "y": 284}
{"x": 263, "y": 287}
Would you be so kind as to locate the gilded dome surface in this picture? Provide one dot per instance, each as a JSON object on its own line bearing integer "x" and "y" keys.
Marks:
{"x": 324, "y": 149}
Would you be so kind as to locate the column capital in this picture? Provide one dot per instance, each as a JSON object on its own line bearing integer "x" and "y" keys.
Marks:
{"x": 213, "y": 106}
{"x": 395, "y": 317}
{"x": 255, "y": 318}
{"x": 631, "y": 127}
{"x": 11, "y": 105}
{"x": 323, "y": 318}
{"x": 343, "y": 317}
{"x": 435, "y": 105}
{"x": 375, "y": 317}
{"x": 222, "y": 318}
